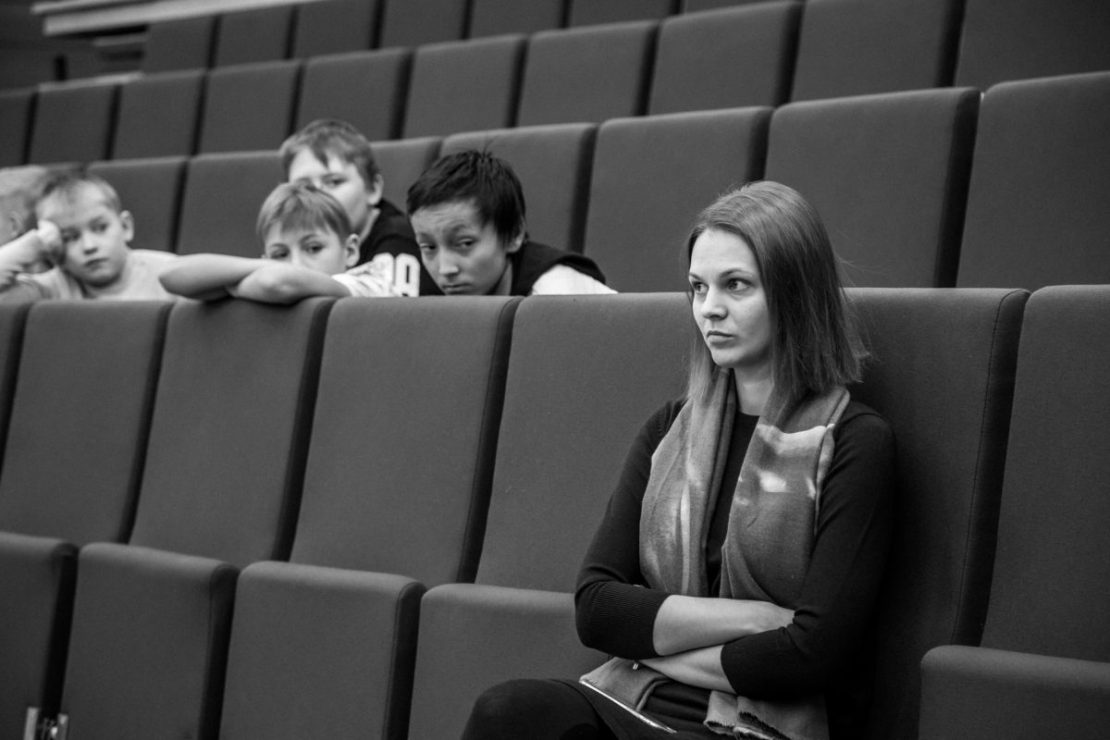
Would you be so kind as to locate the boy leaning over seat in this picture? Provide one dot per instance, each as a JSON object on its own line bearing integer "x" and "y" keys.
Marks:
{"x": 307, "y": 246}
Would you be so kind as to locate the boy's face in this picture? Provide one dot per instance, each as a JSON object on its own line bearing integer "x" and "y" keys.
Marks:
{"x": 317, "y": 248}
{"x": 94, "y": 235}
{"x": 462, "y": 254}
{"x": 341, "y": 180}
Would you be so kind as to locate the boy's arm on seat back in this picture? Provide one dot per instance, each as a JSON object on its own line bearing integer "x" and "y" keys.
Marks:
{"x": 207, "y": 277}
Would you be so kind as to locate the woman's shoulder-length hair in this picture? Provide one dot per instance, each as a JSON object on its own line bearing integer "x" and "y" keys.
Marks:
{"x": 815, "y": 342}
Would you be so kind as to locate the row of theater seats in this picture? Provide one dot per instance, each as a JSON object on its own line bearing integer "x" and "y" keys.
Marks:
{"x": 346, "y": 518}
{"x": 765, "y": 53}
{"x": 931, "y": 188}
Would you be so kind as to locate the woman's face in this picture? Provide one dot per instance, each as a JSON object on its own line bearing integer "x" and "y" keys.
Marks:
{"x": 729, "y": 303}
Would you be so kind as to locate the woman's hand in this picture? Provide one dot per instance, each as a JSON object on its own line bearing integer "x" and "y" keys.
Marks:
{"x": 701, "y": 668}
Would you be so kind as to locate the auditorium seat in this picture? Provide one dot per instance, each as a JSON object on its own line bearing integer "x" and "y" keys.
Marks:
{"x": 335, "y": 26}
{"x": 860, "y": 47}
{"x": 381, "y": 497}
{"x": 69, "y": 476}
{"x": 888, "y": 174}
{"x": 418, "y": 22}
{"x": 587, "y": 74}
{"x": 223, "y": 193}
{"x": 258, "y": 35}
{"x": 401, "y": 161}
{"x": 150, "y": 189}
{"x": 696, "y": 6}
{"x": 496, "y": 17}
{"x": 585, "y": 373}
{"x": 553, "y": 164}
{"x": 464, "y": 86}
{"x": 16, "y": 108}
{"x": 184, "y": 43}
{"x": 652, "y": 176}
{"x": 1017, "y": 39}
{"x": 593, "y": 12}
{"x": 726, "y": 58}
{"x": 1036, "y": 208}
{"x": 366, "y": 89}
{"x": 942, "y": 373}
{"x": 1043, "y": 666}
{"x": 249, "y": 106}
{"x": 72, "y": 122}
{"x": 143, "y": 128}
{"x": 12, "y": 317}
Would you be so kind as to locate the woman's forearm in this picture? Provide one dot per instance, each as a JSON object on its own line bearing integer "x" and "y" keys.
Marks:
{"x": 687, "y": 622}
{"x": 700, "y": 667}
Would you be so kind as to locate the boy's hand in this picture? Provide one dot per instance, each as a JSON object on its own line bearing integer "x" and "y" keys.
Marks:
{"x": 51, "y": 239}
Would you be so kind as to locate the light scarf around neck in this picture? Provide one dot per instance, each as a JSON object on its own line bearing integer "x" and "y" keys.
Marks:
{"x": 768, "y": 543}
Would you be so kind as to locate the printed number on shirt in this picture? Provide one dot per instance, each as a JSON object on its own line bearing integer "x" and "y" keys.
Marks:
{"x": 402, "y": 269}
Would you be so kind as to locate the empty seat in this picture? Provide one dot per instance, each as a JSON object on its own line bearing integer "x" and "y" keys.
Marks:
{"x": 335, "y": 26}
{"x": 401, "y": 162}
{"x": 16, "y": 107}
{"x": 696, "y": 6}
{"x": 888, "y": 174}
{"x": 366, "y": 89}
{"x": 464, "y": 86}
{"x": 652, "y": 176}
{"x": 1036, "y": 210}
{"x": 858, "y": 47}
{"x": 417, "y": 22}
{"x": 142, "y": 127}
{"x": 553, "y": 164}
{"x": 72, "y": 122}
{"x": 184, "y": 43}
{"x": 587, "y": 74}
{"x": 12, "y": 319}
{"x": 1043, "y": 667}
{"x": 249, "y": 106}
{"x": 1017, "y": 39}
{"x": 223, "y": 193}
{"x": 495, "y": 17}
{"x": 257, "y": 35}
{"x": 726, "y": 58}
{"x": 151, "y": 190}
{"x": 942, "y": 373}
{"x": 585, "y": 372}
{"x": 592, "y": 12}
{"x": 350, "y": 632}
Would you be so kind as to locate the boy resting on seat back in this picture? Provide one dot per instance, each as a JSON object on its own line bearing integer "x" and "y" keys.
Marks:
{"x": 83, "y": 232}
{"x": 307, "y": 246}
{"x": 467, "y": 210}
{"x": 336, "y": 158}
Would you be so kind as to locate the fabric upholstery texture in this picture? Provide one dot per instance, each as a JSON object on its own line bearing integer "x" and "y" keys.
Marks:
{"x": 249, "y": 106}
{"x": 258, "y": 35}
{"x": 185, "y": 43}
{"x": 16, "y": 107}
{"x": 335, "y": 26}
{"x": 73, "y": 122}
{"x": 143, "y": 128}
{"x": 366, "y": 89}
{"x": 151, "y": 190}
{"x": 496, "y": 17}
{"x": 593, "y": 12}
{"x": 417, "y": 22}
{"x": 401, "y": 161}
{"x": 12, "y": 318}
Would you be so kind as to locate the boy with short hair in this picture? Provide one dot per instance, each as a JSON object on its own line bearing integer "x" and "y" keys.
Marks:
{"x": 308, "y": 244}
{"x": 336, "y": 158}
{"x": 83, "y": 231}
{"x": 467, "y": 211}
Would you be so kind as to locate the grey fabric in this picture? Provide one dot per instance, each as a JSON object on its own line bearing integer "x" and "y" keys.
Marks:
{"x": 12, "y": 318}
{"x": 553, "y": 164}
{"x": 464, "y": 86}
{"x": 249, "y": 107}
{"x": 16, "y": 107}
{"x": 584, "y": 374}
{"x": 335, "y": 26}
{"x": 587, "y": 74}
{"x": 652, "y": 176}
{"x": 1018, "y": 39}
{"x": 320, "y": 652}
{"x": 151, "y": 190}
{"x": 400, "y": 378}
{"x": 726, "y": 58}
{"x": 79, "y": 418}
{"x": 942, "y": 375}
{"x": 366, "y": 89}
{"x": 473, "y": 636}
{"x": 416, "y": 22}
{"x": 401, "y": 161}
{"x": 73, "y": 122}
{"x": 159, "y": 115}
{"x": 972, "y": 693}
{"x": 495, "y": 17}
{"x": 184, "y": 43}
{"x": 888, "y": 174}
{"x": 225, "y": 460}
{"x": 259, "y": 35}
{"x": 1036, "y": 211}
{"x": 220, "y": 204}
{"x": 149, "y": 644}
{"x": 859, "y": 47}
{"x": 592, "y": 12}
